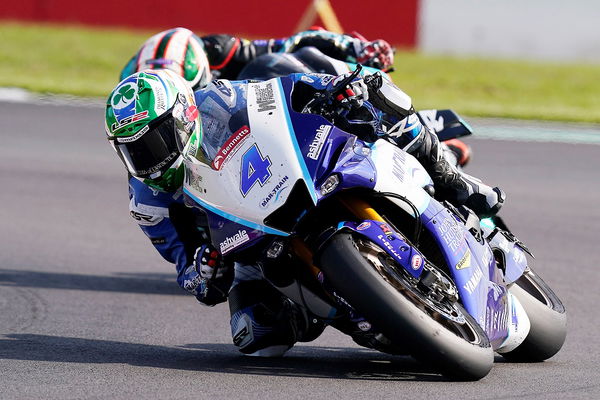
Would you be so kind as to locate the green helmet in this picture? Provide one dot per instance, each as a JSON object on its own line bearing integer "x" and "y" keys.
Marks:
{"x": 149, "y": 118}
{"x": 179, "y": 50}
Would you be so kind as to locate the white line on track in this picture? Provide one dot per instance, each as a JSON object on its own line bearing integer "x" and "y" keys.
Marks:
{"x": 17, "y": 95}
{"x": 535, "y": 131}
{"x": 484, "y": 128}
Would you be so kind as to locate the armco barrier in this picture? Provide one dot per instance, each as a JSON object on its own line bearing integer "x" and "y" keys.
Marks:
{"x": 393, "y": 20}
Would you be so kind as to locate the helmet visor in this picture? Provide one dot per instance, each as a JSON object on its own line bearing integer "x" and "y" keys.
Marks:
{"x": 151, "y": 152}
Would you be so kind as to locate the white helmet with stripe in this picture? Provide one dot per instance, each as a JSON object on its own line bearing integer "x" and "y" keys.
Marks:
{"x": 179, "y": 50}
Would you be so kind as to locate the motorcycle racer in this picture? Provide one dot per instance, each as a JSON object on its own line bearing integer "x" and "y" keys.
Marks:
{"x": 151, "y": 115}
{"x": 200, "y": 59}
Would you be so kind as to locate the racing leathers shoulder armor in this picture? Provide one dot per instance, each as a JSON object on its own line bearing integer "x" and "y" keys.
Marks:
{"x": 174, "y": 229}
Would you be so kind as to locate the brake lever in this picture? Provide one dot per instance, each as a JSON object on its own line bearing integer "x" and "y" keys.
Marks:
{"x": 319, "y": 103}
{"x": 339, "y": 87}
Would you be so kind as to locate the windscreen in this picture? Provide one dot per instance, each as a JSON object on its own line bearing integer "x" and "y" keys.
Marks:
{"x": 224, "y": 129}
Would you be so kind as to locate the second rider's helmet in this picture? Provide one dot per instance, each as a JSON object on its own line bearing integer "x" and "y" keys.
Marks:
{"x": 179, "y": 50}
{"x": 149, "y": 118}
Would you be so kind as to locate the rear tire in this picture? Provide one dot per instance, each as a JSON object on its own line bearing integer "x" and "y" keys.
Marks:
{"x": 460, "y": 350}
{"x": 547, "y": 316}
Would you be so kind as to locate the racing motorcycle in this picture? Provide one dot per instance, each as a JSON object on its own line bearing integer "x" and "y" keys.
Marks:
{"x": 350, "y": 231}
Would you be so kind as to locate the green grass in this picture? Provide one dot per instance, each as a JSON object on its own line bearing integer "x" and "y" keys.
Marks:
{"x": 496, "y": 88}
{"x": 87, "y": 62}
{"x": 66, "y": 60}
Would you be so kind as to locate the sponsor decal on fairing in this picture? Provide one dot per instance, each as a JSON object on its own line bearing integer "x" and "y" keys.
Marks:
{"x": 325, "y": 79}
{"x": 363, "y": 226}
{"x": 465, "y": 261}
{"x": 274, "y": 194}
{"x": 230, "y": 147}
{"x": 265, "y": 97}
{"x": 399, "y": 160}
{"x": 416, "y": 262}
{"x": 474, "y": 280}
{"x": 387, "y": 231}
{"x": 234, "y": 241}
{"x": 314, "y": 149}
{"x": 496, "y": 321}
{"x": 196, "y": 182}
{"x": 487, "y": 256}
{"x": 389, "y": 246}
{"x": 452, "y": 234}
{"x": 430, "y": 120}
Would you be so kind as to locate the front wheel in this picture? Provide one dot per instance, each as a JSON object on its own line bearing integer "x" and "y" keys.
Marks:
{"x": 442, "y": 334}
{"x": 547, "y": 316}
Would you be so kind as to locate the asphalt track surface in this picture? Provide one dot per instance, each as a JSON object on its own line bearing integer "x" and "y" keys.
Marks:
{"x": 89, "y": 310}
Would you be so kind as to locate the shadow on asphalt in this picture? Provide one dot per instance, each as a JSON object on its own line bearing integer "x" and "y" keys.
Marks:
{"x": 301, "y": 361}
{"x": 153, "y": 283}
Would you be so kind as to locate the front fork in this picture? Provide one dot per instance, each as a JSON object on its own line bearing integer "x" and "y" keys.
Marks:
{"x": 360, "y": 208}
{"x": 300, "y": 293}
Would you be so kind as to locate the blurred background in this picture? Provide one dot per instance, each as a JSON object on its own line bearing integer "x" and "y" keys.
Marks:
{"x": 536, "y": 59}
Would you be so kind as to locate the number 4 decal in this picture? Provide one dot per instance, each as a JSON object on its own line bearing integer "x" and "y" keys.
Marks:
{"x": 255, "y": 168}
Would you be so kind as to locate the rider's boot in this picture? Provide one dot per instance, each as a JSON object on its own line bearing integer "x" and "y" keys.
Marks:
{"x": 266, "y": 323}
{"x": 400, "y": 125}
{"x": 450, "y": 183}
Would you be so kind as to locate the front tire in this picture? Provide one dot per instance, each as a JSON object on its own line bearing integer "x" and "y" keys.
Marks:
{"x": 548, "y": 319}
{"x": 460, "y": 350}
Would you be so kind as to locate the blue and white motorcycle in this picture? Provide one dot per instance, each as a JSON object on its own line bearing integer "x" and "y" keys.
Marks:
{"x": 349, "y": 230}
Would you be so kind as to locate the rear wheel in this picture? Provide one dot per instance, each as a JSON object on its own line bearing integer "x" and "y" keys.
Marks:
{"x": 437, "y": 329}
{"x": 547, "y": 316}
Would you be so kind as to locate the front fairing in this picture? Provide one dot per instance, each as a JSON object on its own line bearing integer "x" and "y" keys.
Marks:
{"x": 480, "y": 283}
{"x": 279, "y": 149}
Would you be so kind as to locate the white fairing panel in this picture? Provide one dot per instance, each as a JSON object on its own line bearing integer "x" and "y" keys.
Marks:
{"x": 399, "y": 172}
{"x": 271, "y": 142}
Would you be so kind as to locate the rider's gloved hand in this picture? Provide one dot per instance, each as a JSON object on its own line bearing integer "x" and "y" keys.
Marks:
{"x": 377, "y": 54}
{"x": 208, "y": 278}
{"x": 209, "y": 263}
{"x": 351, "y": 95}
